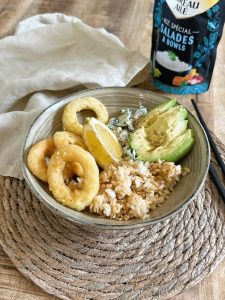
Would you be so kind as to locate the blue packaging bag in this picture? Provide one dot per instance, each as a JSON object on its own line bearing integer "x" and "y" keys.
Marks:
{"x": 184, "y": 42}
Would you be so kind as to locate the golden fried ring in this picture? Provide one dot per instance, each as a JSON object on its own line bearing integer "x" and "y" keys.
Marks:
{"x": 70, "y": 120}
{"x": 36, "y": 159}
{"x": 65, "y": 138}
{"x": 71, "y": 168}
{"x": 79, "y": 198}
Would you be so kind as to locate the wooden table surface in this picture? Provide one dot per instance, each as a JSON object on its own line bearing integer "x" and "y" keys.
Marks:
{"x": 131, "y": 21}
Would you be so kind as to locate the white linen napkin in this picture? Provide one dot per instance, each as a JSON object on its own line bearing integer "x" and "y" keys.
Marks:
{"x": 49, "y": 57}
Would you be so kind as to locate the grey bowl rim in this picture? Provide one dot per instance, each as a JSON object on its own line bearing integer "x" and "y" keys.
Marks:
{"x": 142, "y": 223}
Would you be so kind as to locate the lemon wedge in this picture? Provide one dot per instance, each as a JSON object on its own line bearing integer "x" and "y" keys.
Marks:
{"x": 101, "y": 142}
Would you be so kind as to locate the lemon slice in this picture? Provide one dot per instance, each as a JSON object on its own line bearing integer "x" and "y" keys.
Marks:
{"x": 101, "y": 142}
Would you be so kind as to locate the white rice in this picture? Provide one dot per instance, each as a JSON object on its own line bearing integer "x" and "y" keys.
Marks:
{"x": 162, "y": 57}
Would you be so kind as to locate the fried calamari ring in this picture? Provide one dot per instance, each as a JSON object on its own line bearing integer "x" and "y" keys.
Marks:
{"x": 65, "y": 138}
{"x": 36, "y": 159}
{"x": 70, "y": 120}
{"x": 79, "y": 198}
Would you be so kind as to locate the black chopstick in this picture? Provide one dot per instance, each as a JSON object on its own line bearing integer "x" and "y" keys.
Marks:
{"x": 212, "y": 144}
{"x": 217, "y": 182}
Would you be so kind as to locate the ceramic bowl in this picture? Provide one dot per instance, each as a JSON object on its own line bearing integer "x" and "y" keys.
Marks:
{"x": 115, "y": 99}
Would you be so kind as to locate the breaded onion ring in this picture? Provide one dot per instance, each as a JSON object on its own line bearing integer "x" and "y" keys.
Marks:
{"x": 70, "y": 120}
{"x": 79, "y": 198}
{"x": 36, "y": 159}
{"x": 65, "y": 138}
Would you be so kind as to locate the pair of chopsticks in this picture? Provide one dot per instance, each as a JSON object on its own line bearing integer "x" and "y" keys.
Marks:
{"x": 218, "y": 157}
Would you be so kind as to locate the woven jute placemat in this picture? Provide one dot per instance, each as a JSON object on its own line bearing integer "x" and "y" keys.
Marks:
{"x": 74, "y": 262}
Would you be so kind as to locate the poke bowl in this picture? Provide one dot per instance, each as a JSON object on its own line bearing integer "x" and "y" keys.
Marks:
{"x": 115, "y": 100}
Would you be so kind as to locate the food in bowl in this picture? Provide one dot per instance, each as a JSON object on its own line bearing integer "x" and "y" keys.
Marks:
{"x": 78, "y": 198}
{"x": 131, "y": 189}
{"x": 163, "y": 134}
{"x": 70, "y": 120}
{"x": 128, "y": 186}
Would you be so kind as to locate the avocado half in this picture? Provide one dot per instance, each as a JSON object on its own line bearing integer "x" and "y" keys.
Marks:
{"x": 163, "y": 134}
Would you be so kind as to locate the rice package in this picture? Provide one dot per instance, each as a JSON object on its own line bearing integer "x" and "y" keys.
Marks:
{"x": 184, "y": 42}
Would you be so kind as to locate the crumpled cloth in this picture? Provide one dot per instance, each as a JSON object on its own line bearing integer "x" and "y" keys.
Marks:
{"x": 51, "y": 56}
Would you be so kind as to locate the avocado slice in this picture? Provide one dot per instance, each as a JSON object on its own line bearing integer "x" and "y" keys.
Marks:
{"x": 150, "y": 118}
{"x": 166, "y": 138}
{"x": 138, "y": 139}
{"x": 167, "y": 126}
{"x": 172, "y": 150}
{"x": 164, "y": 124}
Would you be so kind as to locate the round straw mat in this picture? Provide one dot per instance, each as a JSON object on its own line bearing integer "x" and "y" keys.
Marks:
{"x": 84, "y": 263}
